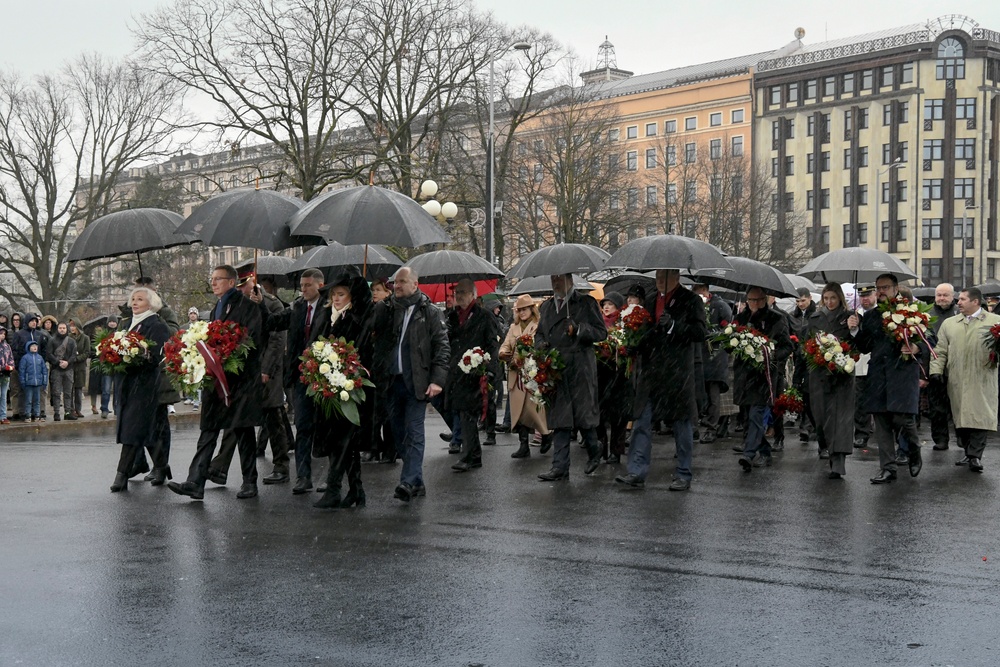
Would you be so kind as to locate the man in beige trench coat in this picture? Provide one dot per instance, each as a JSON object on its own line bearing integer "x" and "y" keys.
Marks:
{"x": 963, "y": 362}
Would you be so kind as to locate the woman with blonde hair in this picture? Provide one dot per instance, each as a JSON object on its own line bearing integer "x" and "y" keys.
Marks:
{"x": 525, "y": 414}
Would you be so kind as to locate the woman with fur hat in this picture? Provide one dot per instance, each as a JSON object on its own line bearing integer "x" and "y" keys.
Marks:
{"x": 525, "y": 415}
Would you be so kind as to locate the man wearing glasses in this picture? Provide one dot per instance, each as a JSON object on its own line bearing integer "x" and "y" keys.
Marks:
{"x": 755, "y": 388}
{"x": 893, "y": 391}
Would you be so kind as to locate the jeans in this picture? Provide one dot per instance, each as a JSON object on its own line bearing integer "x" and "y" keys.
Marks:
{"x": 304, "y": 428}
{"x": 61, "y": 381}
{"x": 108, "y": 389}
{"x": 753, "y": 440}
{"x": 560, "y": 446}
{"x": 406, "y": 415}
{"x": 4, "y": 384}
{"x": 32, "y": 399}
{"x": 641, "y": 449}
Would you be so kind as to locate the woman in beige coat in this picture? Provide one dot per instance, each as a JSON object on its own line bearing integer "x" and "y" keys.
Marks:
{"x": 525, "y": 414}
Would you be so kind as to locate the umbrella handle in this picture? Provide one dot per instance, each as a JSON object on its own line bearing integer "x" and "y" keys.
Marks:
{"x": 138, "y": 257}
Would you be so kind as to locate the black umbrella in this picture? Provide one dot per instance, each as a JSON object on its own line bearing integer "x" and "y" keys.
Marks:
{"x": 925, "y": 294}
{"x": 851, "y": 265}
{"x": 449, "y": 265}
{"x": 669, "y": 251}
{"x": 90, "y": 326}
{"x": 133, "y": 230}
{"x": 990, "y": 288}
{"x": 559, "y": 259}
{"x": 623, "y": 282}
{"x": 799, "y": 281}
{"x": 377, "y": 260}
{"x": 368, "y": 214}
{"x": 747, "y": 273}
{"x": 542, "y": 286}
{"x": 247, "y": 218}
{"x": 273, "y": 267}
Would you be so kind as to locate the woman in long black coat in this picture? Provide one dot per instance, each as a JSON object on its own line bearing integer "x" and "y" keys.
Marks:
{"x": 349, "y": 300}
{"x": 832, "y": 394}
{"x": 140, "y": 389}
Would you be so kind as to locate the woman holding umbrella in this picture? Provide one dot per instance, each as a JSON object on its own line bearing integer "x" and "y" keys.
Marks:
{"x": 350, "y": 302}
{"x": 832, "y": 394}
{"x": 525, "y": 415}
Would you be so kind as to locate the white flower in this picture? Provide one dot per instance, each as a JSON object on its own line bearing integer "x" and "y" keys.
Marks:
{"x": 344, "y": 396}
{"x": 324, "y": 368}
{"x": 849, "y": 365}
{"x": 728, "y": 330}
{"x": 828, "y": 356}
{"x": 349, "y": 385}
{"x": 897, "y": 318}
{"x": 891, "y": 326}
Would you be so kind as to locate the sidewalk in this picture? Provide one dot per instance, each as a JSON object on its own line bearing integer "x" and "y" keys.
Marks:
{"x": 185, "y": 415}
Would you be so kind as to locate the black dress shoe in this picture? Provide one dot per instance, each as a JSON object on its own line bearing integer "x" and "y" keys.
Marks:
{"x": 554, "y": 475}
{"x": 403, "y": 492}
{"x": 915, "y": 462}
{"x": 189, "y": 489}
{"x": 465, "y": 466}
{"x": 884, "y": 477}
{"x": 56, "y": 418}
{"x": 217, "y": 477}
{"x": 679, "y": 485}
{"x": 159, "y": 475}
{"x": 70, "y": 418}
{"x": 276, "y": 478}
{"x": 824, "y": 453}
{"x": 455, "y": 448}
{"x": 490, "y": 441}
{"x": 614, "y": 459}
{"x": 834, "y": 475}
{"x": 546, "y": 444}
{"x": 964, "y": 461}
{"x": 419, "y": 491}
{"x": 940, "y": 446}
{"x": 860, "y": 443}
{"x": 592, "y": 465}
{"x": 503, "y": 428}
{"x": 328, "y": 501}
{"x": 745, "y": 463}
{"x": 975, "y": 465}
{"x": 353, "y": 497}
{"x": 631, "y": 480}
{"x": 445, "y": 436}
{"x": 302, "y": 485}
{"x": 120, "y": 483}
{"x": 902, "y": 459}
{"x": 247, "y": 491}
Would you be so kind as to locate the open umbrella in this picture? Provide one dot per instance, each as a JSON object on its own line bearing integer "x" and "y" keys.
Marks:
{"x": 90, "y": 326}
{"x": 274, "y": 267}
{"x": 798, "y": 281}
{"x": 623, "y": 282}
{"x": 134, "y": 230}
{"x": 925, "y": 294}
{"x": 669, "y": 251}
{"x": 990, "y": 288}
{"x": 368, "y": 214}
{"x": 542, "y": 286}
{"x": 376, "y": 260}
{"x": 248, "y": 218}
{"x": 853, "y": 265}
{"x": 438, "y": 292}
{"x": 449, "y": 265}
{"x": 559, "y": 259}
{"x": 747, "y": 273}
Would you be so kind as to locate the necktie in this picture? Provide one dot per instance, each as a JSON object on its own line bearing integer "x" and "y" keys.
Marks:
{"x": 559, "y": 304}
{"x": 309, "y": 319}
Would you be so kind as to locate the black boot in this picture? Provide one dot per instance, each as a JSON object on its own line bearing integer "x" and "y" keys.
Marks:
{"x": 120, "y": 483}
{"x": 159, "y": 475}
{"x": 524, "y": 451}
{"x": 722, "y": 430}
{"x": 546, "y": 444}
{"x": 331, "y": 497}
{"x": 356, "y": 492}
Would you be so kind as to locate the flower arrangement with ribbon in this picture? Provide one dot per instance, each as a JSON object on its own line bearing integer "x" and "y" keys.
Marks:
{"x": 333, "y": 375}
{"x": 118, "y": 351}
{"x": 991, "y": 338}
{"x": 906, "y": 322}
{"x": 473, "y": 362}
{"x": 789, "y": 401}
{"x": 745, "y": 343}
{"x": 202, "y": 355}
{"x": 610, "y": 350}
{"x": 827, "y": 352}
{"x": 538, "y": 370}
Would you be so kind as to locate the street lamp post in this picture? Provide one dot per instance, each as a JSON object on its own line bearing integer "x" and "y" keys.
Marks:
{"x": 490, "y": 206}
{"x": 443, "y": 212}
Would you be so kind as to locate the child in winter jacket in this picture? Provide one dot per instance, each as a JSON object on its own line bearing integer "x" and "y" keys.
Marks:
{"x": 6, "y": 368}
{"x": 34, "y": 375}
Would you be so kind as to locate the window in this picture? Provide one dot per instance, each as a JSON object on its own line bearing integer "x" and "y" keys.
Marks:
{"x": 848, "y": 120}
{"x": 737, "y": 116}
{"x": 690, "y": 153}
{"x": 887, "y": 77}
{"x": 965, "y": 149}
{"x": 862, "y": 235}
{"x": 691, "y": 123}
{"x": 930, "y": 271}
{"x": 737, "y": 187}
{"x": 789, "y": 202}
{"x": 811, "y": 163}
{"x": 650, "y": 129}
{"x": 847, "y": 195}
{"x": 669, "y": 126}
{"x": 824, "y": 160}
{"x": 632, "y": 198}
{"x": 650, "y": 158}
{"x": 614, "y": 134}
{"x": 715, "y": 119}
{"x": 867, "y": 79}
{"x": 962, "y": 273}
{"x": 951, "y": 59}
{"x": 538, "y": 146}
{"x": 715, "y": 149}
{"x": 775, "y": 99}
{"x": 715, "y": 187}
{"x": 965, "y": 188}
{"x": 690, "y": 190}
{"x": 671, "y": 156}
{"x": 774, "y": 167}
{"x": 931, "y": 229}
{"x": 614, "y": 163}
{"x": 538, "y": 173}
{"x": 933, "y": 109}
{"x": 810, "y": 200}
{"x": 613, "y": 203}
{"x": 907, "y": 73}
{"x": 965, "y": 107}
{"x": 904, "y": 113}
{"x": 671, "y": 193}
{"x": 824, "y": 236}
{"x": 863, "y": 156}
{"x": 900, "y": 230}
{"x": 933, "y": 149}
{"x": 775, "y": 132}
{"x": 901, "y": 191}
{"x": 887, "y": 114}
{"x": 789, "y": 129}
{"x": 847, "y": 84}
{"x": 812, "y": 87}
{"x": 522, "y": 173}
{"x": 933, "y": 188}
{"x": 632, "y": 160}
{"x": 792, "y": 93}
{"x": 737, "y": 146}
{"x": 789, "y": 165}
{"x": 847, "y": 158}
{"x": 824, "y": 198}
{"x": 632, "y": 132}
{"x": 862, "y": 119}
{"x": 862, "y": 195}
{"x": 830, "y": 86}
{"x": 810, "y": 126}
{"x": 651, "y": 195}
{"x": 965, "y": 231}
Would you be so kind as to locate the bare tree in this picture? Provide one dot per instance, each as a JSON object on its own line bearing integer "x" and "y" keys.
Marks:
{"x": 278, "y": 71}
{"x": 65, "y": 142}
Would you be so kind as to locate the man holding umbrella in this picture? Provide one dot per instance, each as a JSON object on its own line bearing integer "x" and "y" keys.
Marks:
{"x": 666, "y": 379}
{"x": 571, "y": 323}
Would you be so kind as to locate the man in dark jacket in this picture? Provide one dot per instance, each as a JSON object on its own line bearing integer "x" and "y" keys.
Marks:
{"x": 243, "y": 410}
{"x": 571, "y": 323}
{"x": 755, "y": 387}
{"x": 893, "y": 392}
{"x": 804, "y": 308}
{"x": 937, "y": 392}
{"x": 410, "y": 368}
{"x": 83, "y": 352}
{"x": 716, "y": 361}
{"x": 666, "y": 379}
{"x": 470, "y": 326}
{"x": 60, "y": 355}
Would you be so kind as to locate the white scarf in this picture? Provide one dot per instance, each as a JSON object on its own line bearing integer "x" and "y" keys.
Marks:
{"x": 335, "y": 314}
{"x": 137, "y": 319}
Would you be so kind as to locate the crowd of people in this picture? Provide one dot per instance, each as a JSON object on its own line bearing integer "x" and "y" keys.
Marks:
{"x": 677, "y": 381}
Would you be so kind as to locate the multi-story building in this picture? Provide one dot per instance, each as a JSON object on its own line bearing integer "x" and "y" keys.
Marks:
{"x": 889, "y": 140}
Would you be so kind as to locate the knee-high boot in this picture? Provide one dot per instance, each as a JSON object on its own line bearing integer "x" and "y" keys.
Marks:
{"x": 523, "y": 436}
{"x": 356, "y": 492}
{"x": 125, "y": 463}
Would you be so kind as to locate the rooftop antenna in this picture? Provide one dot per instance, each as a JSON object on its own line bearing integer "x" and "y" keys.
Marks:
{"x": 606, "y": 55}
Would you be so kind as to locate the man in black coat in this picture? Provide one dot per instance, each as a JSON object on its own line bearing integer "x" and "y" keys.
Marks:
{"x": 893, "y": 391}
{"x": 571, "y": 323}
{"x": 804, "y": 308}
{"x": 756, "y": 388}
{"x": 937, "y": 392}
{"x": 469, "y": 326}
{"x": 243, "y": 410}
{"x": 716, "y": 361}
{"x": 665, "y": 378}
{"x": 410, "y": 367}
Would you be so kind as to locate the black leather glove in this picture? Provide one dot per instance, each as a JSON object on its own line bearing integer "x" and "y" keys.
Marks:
{"x": 665, "y": 320}
{"x": 937, "y": 377}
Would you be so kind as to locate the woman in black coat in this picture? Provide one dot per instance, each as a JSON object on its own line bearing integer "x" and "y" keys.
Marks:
{"x": 140, "y": 389}
{"x": 349, "y": 300}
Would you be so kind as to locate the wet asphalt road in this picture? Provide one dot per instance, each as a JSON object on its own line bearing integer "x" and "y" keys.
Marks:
{"x": 778, "y": 567}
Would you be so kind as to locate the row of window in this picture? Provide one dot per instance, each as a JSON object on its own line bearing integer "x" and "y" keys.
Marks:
{"x": 690, "y": 193}
{"x": 931, "y": 269}
{"x": 932, "y": 190}
{"x": 736, "y": 116}
{"x": 690, "y": 154}
{"x": 934, "y": 150}
{"x": 852, "y": 84}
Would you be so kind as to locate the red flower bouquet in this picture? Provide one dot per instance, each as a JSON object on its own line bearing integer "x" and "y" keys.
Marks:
{"x": 118, "y": 351}
{"x": 335, "y": 378}
{"x": 789, "y": 401}
{"x": 202, "y": 355}
{"x": 826, "y": 351}
{"x": 906, "y": 322}
{"x": 992, "y": 341}
{"x": 538, "y": 371}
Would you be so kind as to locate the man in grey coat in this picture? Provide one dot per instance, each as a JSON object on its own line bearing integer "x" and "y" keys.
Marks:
{"x": 571, "y": 323}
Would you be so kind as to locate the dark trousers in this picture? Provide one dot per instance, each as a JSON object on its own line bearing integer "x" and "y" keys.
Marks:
{"x": 939, "y": 411}
{"x": 244, "y": 439}
{"x": 753, "y": 439}
{"x": 472, "y": 451}
{"x": 863, "y": 425}
{"x": 275, "y": 421}
{"x": 615, "y": 444}
{"x": 406, "y": 414}
{"x": 973, "y": 441}
{"x": 198, "y": 472}
{"x": 344, "y": 458}
{"x": 714, "y": 392}
{"x": 159, "y": 444}
{"x": 888, "y": 427}
{"x": 560, "y": 446}
{"x": 304, "y": 426}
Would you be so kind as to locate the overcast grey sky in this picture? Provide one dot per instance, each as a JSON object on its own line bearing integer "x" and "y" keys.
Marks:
{"x": 649, "y": 35}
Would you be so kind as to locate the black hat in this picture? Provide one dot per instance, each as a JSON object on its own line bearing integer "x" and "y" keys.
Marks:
{"x": 614, "y": 297}
{"x": 637, "y": 290}
{"x": 866, "y": 289}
